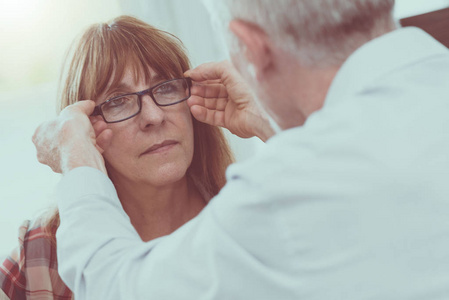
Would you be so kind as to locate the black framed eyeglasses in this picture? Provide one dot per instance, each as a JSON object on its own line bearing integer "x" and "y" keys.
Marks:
{"x": 126, "y": 106}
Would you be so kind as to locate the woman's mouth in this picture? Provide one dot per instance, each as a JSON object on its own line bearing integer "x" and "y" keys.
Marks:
{"x": 160, "y": 147}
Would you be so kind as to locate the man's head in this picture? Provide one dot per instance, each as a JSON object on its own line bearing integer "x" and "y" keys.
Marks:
{"x": 290, "y": 50}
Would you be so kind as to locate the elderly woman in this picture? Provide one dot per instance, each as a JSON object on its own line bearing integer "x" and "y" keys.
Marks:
{"x": 165, "y": 165}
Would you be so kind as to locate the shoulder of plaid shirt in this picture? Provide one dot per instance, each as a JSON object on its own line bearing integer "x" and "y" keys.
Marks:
{"x": 352, "y": 205}
{"x": 31, "y": 269}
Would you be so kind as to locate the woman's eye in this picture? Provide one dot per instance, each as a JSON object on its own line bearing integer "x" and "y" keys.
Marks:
{"x": 166, "y": 89}
{"x": 118, "y": 103}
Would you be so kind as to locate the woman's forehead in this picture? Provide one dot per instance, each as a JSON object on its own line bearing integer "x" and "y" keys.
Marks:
{"x": 130, "y": 78}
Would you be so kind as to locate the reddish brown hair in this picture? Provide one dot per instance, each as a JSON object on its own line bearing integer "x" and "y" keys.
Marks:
{"x": 100, "y": 58}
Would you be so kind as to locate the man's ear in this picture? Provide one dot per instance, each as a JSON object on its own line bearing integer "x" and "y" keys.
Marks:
{"x": 256, "y": 44}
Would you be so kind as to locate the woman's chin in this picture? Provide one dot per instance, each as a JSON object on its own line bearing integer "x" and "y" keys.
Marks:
{"x": 155, "y": 176}
{"x": 165, "y": 175}
{"x": 165, "y": 179}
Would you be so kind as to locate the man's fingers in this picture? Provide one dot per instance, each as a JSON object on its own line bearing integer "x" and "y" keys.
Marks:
{"x": 85, "y": 106}
{"x": 104, "y": 140}
{"x": 95, "y": 119}
{"x": 199, "y": 112}
{"x": 213, "y": 104}
{"x": 211, "y": 96}
{"x": 195, "y": 100}
{"x": 207, "y": 71}
{"x": 211, "y": 117}
{"x": 213, "y": 81}
{"x": 209, "y": 90}
{"x": 99, "y": 127}
{"x": 210, "y": 71}
{"x": 102, "y": 133}
{"x": 231, "y": 82}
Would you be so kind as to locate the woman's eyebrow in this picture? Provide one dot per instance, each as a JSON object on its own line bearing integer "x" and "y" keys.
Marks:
{"x": 123, "y": 87}
{"x": 156, "y": 78}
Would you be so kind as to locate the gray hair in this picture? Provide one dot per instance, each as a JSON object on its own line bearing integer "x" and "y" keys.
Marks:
{"x": 317, "y": 32}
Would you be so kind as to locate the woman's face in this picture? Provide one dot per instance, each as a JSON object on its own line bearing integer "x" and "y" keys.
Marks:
{"x": 156, "y": 146}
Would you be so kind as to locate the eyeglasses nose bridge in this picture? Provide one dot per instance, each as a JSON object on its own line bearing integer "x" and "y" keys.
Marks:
{"x": 146, "y": 93}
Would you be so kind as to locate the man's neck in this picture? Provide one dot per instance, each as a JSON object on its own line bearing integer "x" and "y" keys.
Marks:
{"x": 304, "y": 91}
{"x": 313, "y": 88}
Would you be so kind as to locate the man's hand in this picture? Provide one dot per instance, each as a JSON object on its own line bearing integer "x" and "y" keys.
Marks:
{"x": 220, "y": 97}
{"x": 70, "y": 140}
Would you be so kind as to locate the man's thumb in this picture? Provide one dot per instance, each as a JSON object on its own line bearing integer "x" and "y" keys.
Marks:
{"x": 85, "y": 106}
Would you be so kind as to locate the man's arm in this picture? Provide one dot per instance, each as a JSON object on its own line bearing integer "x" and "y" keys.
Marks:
{"x": 102, "y": 257}
{"x": 100, "y": 254}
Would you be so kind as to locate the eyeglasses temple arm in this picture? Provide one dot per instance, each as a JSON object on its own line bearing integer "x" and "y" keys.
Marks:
{"x": 97, "y": 111}
{"x": 189, "y": 81}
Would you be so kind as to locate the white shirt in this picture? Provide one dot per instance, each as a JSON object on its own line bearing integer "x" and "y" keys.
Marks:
{"x": 352, "y": 205}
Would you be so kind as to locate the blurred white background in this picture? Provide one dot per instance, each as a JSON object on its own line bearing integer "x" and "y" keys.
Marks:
{"x": 34, "y": 37}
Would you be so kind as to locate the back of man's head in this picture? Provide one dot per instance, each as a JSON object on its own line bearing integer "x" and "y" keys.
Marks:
{"x": 318, "y": 32}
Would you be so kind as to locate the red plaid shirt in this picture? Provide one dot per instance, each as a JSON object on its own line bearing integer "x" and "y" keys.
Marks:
{"x": 31, "y": 271}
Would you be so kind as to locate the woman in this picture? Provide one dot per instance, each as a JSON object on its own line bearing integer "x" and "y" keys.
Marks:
{"x": 164, "y": 164}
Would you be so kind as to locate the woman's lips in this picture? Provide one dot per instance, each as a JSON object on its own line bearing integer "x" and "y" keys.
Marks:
{"x": 161, "y": 147}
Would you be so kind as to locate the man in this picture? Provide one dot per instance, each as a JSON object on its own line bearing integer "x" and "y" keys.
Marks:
{"x": 351, "y": 202}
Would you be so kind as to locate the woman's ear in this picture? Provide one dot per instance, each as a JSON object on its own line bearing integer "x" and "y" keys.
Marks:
{"x": 257, "y": 45}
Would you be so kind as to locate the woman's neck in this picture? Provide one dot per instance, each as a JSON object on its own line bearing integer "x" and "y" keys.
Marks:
{"x": 158, "y": 211}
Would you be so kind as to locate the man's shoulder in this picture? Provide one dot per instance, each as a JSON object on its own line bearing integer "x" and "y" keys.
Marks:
{"x": 280, "y": 158}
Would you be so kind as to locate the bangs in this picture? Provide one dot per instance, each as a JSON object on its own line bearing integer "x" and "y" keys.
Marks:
{"x": 129, "y": 44}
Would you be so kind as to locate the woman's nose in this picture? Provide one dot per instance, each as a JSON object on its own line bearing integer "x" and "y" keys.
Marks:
{"x": 151, "y": 114}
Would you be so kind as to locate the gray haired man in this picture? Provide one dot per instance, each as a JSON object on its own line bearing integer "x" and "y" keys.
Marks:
{"x": 349, "y": 200}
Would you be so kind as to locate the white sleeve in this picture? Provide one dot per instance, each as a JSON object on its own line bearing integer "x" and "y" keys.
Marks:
{"x": 3, "y": 295}
{"x": 101, "y": 256}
